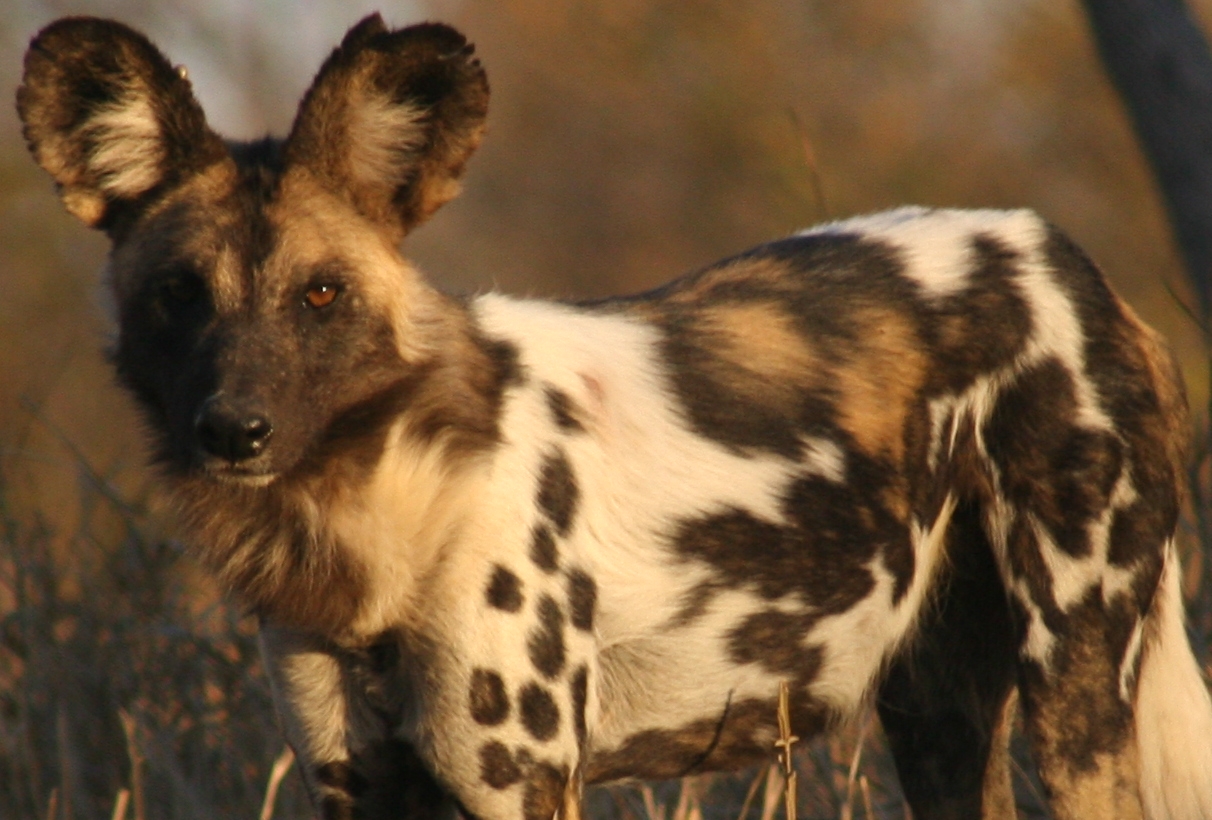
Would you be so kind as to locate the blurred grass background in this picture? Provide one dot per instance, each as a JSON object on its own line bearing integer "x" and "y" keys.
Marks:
{"x": 629, "y": 140}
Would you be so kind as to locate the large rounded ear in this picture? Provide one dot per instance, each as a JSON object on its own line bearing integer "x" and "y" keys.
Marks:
{"x": 391, "y": 120}
{"x": 109, "y": 118}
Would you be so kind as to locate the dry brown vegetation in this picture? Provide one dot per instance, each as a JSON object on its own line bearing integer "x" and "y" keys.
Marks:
{"x": 629, "y": 140}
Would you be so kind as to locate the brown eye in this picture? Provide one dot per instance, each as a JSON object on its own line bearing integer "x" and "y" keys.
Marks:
{"x": 321, "y": 296}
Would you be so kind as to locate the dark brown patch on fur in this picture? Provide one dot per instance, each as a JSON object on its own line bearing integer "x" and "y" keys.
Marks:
{"x": 543, "y": 550}
{"x": 544, "y": 791}
{"x": 504, "y": 590}
{"x": 823, "y": 555}
{"x": 1077, "y": 722}
{"x": 539, "y": 712}
{"x": 386, "y": 779}
{"x": 487, "y": 698}
{"x": 562, "y": 410}
{"x": 497, "y": 766}
{"x": 340, "y": 776}
{"x": 942, "y": 699}
{"x": 336, "y": 807}
{"x": 773, "y": 639}
{"x": 459, "y": 399}
{"x": 545, "y": 642}
{"x": 558, "y": 491}
{"x": 983, "y": 326}
{"x": 582, "y": 599}
{"x": 578, "y": 687}
{"x": 740, "y": 735}
{"x": 694, "y": 603}
{"x": 1141, "y": 389}
{"x": 1063, "y": 474}
{"x": 805, "y": 288}
{"x": 270, "y": 559}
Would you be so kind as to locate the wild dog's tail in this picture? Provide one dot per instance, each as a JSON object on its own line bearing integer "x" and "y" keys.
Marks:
{"x": 1173, "y": 713}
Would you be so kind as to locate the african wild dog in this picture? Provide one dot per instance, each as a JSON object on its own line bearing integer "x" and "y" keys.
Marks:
{"x": 500, "y": 548}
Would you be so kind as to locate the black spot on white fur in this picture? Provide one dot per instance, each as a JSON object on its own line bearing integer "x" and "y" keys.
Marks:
{"x": 543, "y": 550}
{"x": 582, "y": 599}
{"x": 545, "y": 641}
{"x": 558, "y": 491}
{"x": 538, "y": 711}
{"x": 487, "y": 698}
{"x": 504, "y": 590}
{"x": 497, "y": 766}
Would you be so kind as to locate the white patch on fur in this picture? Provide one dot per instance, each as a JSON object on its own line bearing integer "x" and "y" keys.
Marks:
{"x": 396, "y": 526}
{"x": 936, "y": 245}
{"x": 129, "y": 146}
{"x": 1057, "y": 333}
{"x": 1127, "y": 667}
{"x": 823, "y": 457}
{"x": 1173, "y": 713}
{"x": 856, "y": 643}
{"x": 640, "y": 471}
{"x": 312, "y": 683}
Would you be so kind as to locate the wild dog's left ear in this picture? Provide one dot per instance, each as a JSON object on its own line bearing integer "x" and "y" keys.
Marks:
{"x": 110, "y": 119}
{"x": 391, "y": 120}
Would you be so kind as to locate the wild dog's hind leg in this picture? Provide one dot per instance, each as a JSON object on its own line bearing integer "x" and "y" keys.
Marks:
{"x": 946, "y": 703}
{"x": 1085, "y": 503}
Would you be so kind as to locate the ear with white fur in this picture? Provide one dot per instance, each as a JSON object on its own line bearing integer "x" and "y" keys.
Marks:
{"x": 110, "y": 119}
{"x": 391, "y": 119}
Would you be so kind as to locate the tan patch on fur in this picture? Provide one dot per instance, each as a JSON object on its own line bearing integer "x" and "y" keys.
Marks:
{"x": 879, "y": 384}
{"x": 997, "y": 794}
{"x": 760, "y": 339}
{"x": 762, "y": 271}
{"x": 1168, "y": 382}
{"x": 1083, "y": 738}
{"x": 85, "y": 205}
{"x": 317, "y": 228}
{"x": 1109, "y": 791}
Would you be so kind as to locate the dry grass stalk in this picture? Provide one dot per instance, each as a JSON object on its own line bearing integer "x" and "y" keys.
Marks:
{"x": 749, "y": 795}
{"x": 774, "y": 787}
{"x": 52, "y": 805}
{"x": 810, "y": 161}
{"x": 865, "y": 788}
{"x": 655, "y": 811}
{"x": 120, "y": 803}
{"x": 281, "y": 766}
{"x": 784, "y": 743}
{"x": 851, "y": 778}
{"x": 689, "y": 805}
{"x": 136, "y": 764}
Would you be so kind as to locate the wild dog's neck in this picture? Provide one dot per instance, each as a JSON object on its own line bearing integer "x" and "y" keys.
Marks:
{"x": 344, "y": 549}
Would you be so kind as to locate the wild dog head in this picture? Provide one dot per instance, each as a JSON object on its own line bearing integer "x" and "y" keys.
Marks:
{"x": 265, "y": 315}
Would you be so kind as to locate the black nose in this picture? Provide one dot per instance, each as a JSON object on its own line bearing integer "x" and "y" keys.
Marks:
{"x": 231, "y": 432}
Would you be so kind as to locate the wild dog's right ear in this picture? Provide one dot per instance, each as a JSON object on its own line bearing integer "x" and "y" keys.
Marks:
{"x": 109, "y": 118}
{"x": 391, "y": 119}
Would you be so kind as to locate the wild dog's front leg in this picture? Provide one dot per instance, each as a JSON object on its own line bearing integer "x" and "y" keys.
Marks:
{"x": 504, "y": 715}
{"x": 338, "y": 719}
